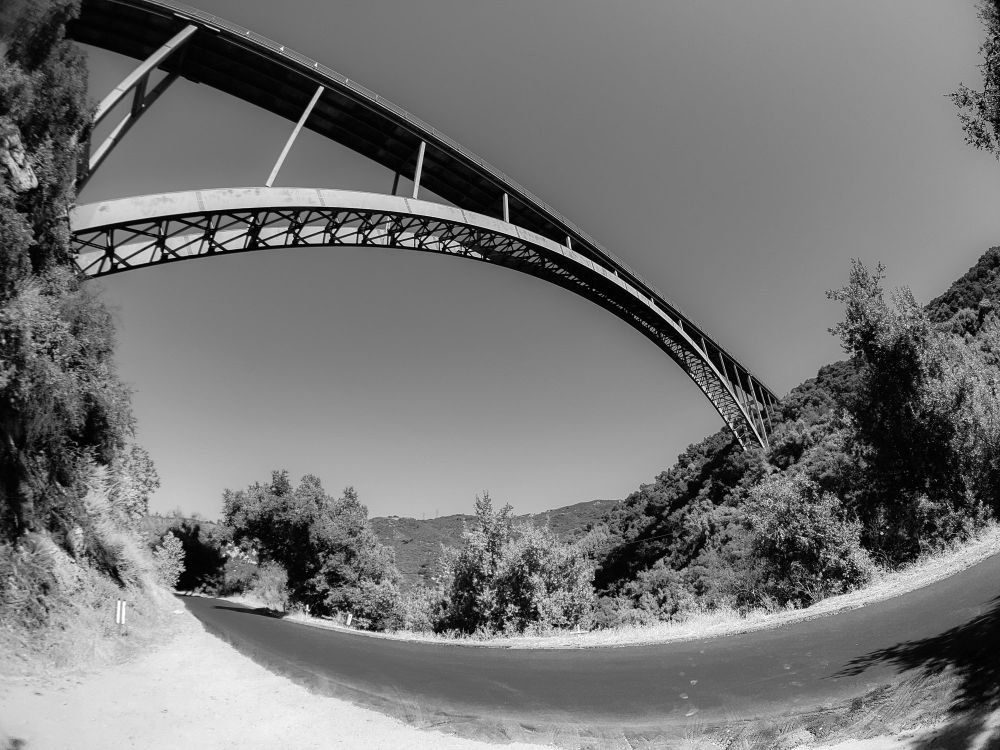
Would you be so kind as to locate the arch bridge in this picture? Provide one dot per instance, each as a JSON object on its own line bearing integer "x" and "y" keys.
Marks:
{"x": 491, "y": 218}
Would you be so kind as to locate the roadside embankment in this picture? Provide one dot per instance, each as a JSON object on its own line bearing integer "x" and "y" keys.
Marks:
{"x": 195, "y": 691}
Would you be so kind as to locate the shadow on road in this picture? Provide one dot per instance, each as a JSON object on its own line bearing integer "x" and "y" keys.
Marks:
{"x": 260, "y": 611}
{"x": 971, "y": 653}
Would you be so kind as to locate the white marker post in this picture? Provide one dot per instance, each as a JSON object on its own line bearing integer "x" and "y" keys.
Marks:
{"x": 120, "y": 614}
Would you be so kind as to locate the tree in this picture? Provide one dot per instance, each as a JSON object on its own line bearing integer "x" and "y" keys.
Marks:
{"x": 979, "y": 111}
{"x": 333, "y": 559}
{"x": 508, "y": 578}
{"x": 807, "y": 546}
{"x": 134, "y": 480}
{"x": 169, "y": 559}
{"x": 925, "y": 419}
{"x": 63, "y": 410}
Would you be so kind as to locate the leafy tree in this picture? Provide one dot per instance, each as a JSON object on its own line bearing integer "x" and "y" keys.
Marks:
{"x": 63, "y": 410}
{"x": 510, "y": 577}
{"x": 270, "y": 585}
{"x": 806, "y": 546}
{"x": 61, "y": 405}
{"x": 979, "y": 111}
{"x": 169, "y": 559}
{"x": 333, "y": 559}
{"x": 134, "y": 480}
{"x": 925, "y": 418}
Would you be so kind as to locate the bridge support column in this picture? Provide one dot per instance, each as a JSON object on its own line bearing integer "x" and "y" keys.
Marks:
{"x": 506, "y": 208}
{"x": 293, "y": 136}
{"x": 419, "y": 170}
{"x": 137, "y": 81}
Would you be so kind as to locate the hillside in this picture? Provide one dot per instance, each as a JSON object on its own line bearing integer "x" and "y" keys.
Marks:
{"x": 417, "y": 543}
{"x": 695, "y": 532}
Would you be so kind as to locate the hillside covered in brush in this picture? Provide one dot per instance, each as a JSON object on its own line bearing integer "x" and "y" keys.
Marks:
{"x": 74, "y": 485}
{"x": 877, "y": 459}
{"x": 417, "y": 543}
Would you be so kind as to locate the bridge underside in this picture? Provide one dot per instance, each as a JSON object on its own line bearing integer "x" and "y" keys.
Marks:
{"x": 496, "y": 220}
{"x": 121, "y": 235}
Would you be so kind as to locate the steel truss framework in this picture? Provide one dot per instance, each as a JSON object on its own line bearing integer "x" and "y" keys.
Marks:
{"x": 496, "y": 219}
{"x": 122, "y": 235}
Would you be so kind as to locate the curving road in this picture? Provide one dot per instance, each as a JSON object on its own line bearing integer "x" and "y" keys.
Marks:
{"x": 795, "y": 667}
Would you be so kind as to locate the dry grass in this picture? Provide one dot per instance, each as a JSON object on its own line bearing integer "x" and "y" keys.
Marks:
{"x": 82, "y": 633}
{"x": 66, "y": 618}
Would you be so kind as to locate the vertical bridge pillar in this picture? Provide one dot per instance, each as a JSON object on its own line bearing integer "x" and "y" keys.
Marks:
{"x": 137, "y": 81}
{"x": 295, "y": 134}
{"x": 420, "y": 169}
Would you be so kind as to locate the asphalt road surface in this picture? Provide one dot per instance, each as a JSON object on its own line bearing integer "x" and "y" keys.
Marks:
{"x": 795, "y": 667}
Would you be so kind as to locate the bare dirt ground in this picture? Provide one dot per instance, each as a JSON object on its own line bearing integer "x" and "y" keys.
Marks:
{"x": 196, "y": 692}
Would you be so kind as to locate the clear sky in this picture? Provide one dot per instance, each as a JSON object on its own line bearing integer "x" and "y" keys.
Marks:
{"x": 737, "y": 155}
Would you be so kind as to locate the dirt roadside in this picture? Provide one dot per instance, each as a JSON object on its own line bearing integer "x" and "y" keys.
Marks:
{"x": 197, "y": 692}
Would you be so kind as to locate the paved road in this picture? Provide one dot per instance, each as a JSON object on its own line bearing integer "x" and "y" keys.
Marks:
{"x": 774, "y": 671}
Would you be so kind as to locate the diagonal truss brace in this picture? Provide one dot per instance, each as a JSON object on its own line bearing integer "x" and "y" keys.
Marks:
{"x": 136, "y": 82}
{"x": 132, "y": 233}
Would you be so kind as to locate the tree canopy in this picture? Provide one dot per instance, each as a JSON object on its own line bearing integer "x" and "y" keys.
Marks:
{"x": 333, "y": 559}
{"x": 979, "y": 109}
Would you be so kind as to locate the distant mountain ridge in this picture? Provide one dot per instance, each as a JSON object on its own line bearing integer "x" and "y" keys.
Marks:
{"x": 417, "y": 542}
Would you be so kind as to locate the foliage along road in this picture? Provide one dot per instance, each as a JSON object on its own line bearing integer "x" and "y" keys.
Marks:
{"x": 485, "y": 691}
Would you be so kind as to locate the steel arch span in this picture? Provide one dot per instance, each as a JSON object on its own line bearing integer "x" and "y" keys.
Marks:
{"x": 493, "y": 220}
{"x": 121, "y": 235}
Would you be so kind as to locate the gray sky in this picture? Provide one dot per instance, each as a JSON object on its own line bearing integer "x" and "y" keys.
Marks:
{"x": 737, "y": 155}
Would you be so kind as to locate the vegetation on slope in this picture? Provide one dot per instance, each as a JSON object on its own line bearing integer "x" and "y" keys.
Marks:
{"x": 73, "y": 484}
{"x": 417, "y": 542}
{"x": 878, "y": 460}
{"x": 884, "y": 456}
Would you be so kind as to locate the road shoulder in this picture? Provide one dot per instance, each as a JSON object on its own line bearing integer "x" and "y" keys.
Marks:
{"x": 197, "y": 691}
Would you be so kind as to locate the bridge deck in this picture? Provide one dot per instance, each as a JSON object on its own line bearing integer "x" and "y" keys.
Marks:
{"x": 239, "y": 62}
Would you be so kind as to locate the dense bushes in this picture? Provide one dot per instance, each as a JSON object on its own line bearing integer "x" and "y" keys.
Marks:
{"x": 509, "y": 578}
{"x": 73, "y": 485}
{"x": 887, "y": 455}
{"x": 332, "y": 559}
{"x": 169, "y": 559}
{"x": 803, "y": 545}
{"x": 926, "y": 420}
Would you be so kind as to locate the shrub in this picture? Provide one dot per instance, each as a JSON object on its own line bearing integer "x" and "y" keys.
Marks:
{"x": 509, "y": 578}
{"x": 379, "y": 606}
{"x": 661, "y": 592}
{"x": 238, "y": 575}
{"x": 421, "y": 608}
{"x": 169, "y": 559}
{"x": 926, "y": 418}
{"x": 808, "y": 549}
{"x": 269, "y": 584}
{"x": 619, "y": 611}
{"x": 333, "y": 559}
